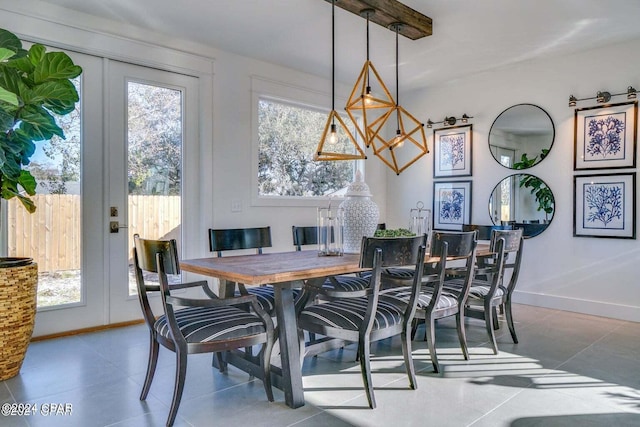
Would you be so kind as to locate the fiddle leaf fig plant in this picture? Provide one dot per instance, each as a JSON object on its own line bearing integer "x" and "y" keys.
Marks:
{"x": 538, "y": 188}
{"x": 34, "y": 85}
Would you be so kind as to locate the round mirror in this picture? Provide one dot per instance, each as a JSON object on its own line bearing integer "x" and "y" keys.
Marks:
{"x": 521, "y": 136}
{"x": 523, "y": 201}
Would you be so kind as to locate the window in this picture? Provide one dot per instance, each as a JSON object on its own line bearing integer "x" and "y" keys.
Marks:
{"x": 288, "y": 136}
{"x": 287, "y": 127}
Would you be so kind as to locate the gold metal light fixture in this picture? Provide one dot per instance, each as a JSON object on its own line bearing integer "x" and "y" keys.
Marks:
{"x": 604, "y": 96}
{"x": 408, "y": 129}
{"x": 369, "y": 97}
{"x": 337, "y": 141}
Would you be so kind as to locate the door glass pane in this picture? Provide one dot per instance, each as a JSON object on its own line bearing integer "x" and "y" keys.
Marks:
{"x": 52, "y": 235}
{"x": 154, "y": 137}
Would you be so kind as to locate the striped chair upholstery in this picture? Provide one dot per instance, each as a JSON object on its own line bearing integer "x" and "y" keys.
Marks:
{"x": 446, "y": 300}
{"x": 478, "y": 292}
{"x": 207, "y": 324}
{"x": 435, "y": 302}
{"x": 187, "y": 325}
{"x": 338, "y": 284}
{"x": 364, "y": 317}
{"x": 349, "y": 314}
{"x": 265, "y": 296}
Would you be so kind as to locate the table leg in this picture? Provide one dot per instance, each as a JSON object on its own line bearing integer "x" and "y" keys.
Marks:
{"x": 227, "y": 289}
{"x": 289, "y": 346}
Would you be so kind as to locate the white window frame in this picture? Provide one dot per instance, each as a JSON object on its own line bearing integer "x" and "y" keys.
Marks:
{"x": 262, "y": 88}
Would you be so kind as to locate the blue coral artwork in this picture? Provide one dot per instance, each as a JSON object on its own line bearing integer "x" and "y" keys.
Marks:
{"x": 452, "y": 151}
{"x": 451, "y": 204}
{"x": 605, "y": 136}
{"x": 605, "y": 206}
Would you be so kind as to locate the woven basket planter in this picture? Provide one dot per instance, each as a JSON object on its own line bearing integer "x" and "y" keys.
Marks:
{"x": 18, "y": 288}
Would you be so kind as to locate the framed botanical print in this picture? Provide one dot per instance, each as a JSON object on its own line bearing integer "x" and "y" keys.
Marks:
{"x": 451, "y": 204}
{"x": 452, "y": 151}
{"x": 604, "y": 206}
{"x": 605, "y": 136}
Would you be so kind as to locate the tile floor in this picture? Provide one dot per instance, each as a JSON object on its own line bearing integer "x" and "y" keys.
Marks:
{"x": 568, "y": 370}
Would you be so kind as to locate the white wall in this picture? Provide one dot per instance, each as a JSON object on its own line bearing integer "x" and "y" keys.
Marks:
{"x": 596, "y": 276}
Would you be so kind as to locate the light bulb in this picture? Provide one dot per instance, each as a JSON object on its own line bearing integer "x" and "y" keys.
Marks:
{"x": 398, "y": 142}
{"x": 333, "y": 136}
{"x": 368, "y": 97}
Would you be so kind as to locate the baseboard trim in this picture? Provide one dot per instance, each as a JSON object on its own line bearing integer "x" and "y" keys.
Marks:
{"x": 595, "y": 308}
{"x": 87, "y": 330}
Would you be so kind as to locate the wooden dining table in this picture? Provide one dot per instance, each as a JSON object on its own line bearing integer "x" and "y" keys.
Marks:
{"x": 284, "y": 271}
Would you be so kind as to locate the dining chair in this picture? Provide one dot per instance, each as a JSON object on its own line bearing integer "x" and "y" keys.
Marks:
{"x": 304, "y": 236}
{"x": 234, "y": 239}
{"x": 513, "y": 252}
{"x": 435, "y": 302}
{"x": 485, "y": 293}
{"x": 365, "y": 317}
{"x": 484, "y": 231}
{"x": 205, "y": 325}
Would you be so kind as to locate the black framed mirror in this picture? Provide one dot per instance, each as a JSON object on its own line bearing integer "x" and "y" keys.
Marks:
{"x": 521, "y": 136}
{"x": 524, "y": 201}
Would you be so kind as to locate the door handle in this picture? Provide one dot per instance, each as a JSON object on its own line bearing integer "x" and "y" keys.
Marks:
{"x": 114, "y": 226}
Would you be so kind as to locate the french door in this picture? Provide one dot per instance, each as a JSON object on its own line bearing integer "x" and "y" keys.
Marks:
{"x": 64, "y": 236}
{"x": 120, "y": 171}
{"x": 153, "y": 127}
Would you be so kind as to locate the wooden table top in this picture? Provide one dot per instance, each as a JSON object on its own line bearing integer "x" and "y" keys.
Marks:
{"x": 273, "y": 267}
{"x": 279, "y": 267}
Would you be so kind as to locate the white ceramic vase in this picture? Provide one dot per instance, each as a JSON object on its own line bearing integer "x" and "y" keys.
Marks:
{"x": 361, "y": 215}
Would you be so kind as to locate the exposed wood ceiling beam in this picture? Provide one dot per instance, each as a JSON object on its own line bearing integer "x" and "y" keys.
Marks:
{"x": 416, "y": 25}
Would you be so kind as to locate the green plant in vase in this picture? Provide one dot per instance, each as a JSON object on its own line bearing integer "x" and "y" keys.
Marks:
{"x": 400, "y": 232}
{"x": 537, "y": 187}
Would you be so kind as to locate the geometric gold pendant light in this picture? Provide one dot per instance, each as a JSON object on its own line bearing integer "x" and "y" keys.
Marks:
{"x": 406, "y": 147}
{"x": 371, "y": 107}
{"x": 370, "y": 97}
{"x": 409, "y": 142}
{"x": 337, "y": 141}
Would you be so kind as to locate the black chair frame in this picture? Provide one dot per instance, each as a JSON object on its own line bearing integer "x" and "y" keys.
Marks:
{"x": 376, "y": 253}
{"x": 161, "y": 257}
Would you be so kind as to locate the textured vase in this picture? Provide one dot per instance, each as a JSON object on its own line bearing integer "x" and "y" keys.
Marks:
{"x": 361, "y": 215}
{"x": 18, "y": 290}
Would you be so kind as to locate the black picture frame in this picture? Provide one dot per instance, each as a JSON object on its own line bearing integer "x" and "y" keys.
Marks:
{"x": 452, "y": 151}
{"x": 451, "y": 204}
{"x": 605, "y": 205}
{"x": 605, "y": 136}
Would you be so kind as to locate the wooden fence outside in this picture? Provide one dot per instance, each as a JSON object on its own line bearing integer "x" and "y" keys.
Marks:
{"x": 52, "y": 235}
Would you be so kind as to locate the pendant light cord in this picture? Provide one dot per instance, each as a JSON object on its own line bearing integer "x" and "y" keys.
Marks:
{"x": 333, "y": 57}
{"x": 397, "y": 84}
{"x": 367, "y": 36}
{"x": 368, "y": 68}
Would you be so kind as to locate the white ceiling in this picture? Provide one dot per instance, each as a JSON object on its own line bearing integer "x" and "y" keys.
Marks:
{"x": 469, "y": 36}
